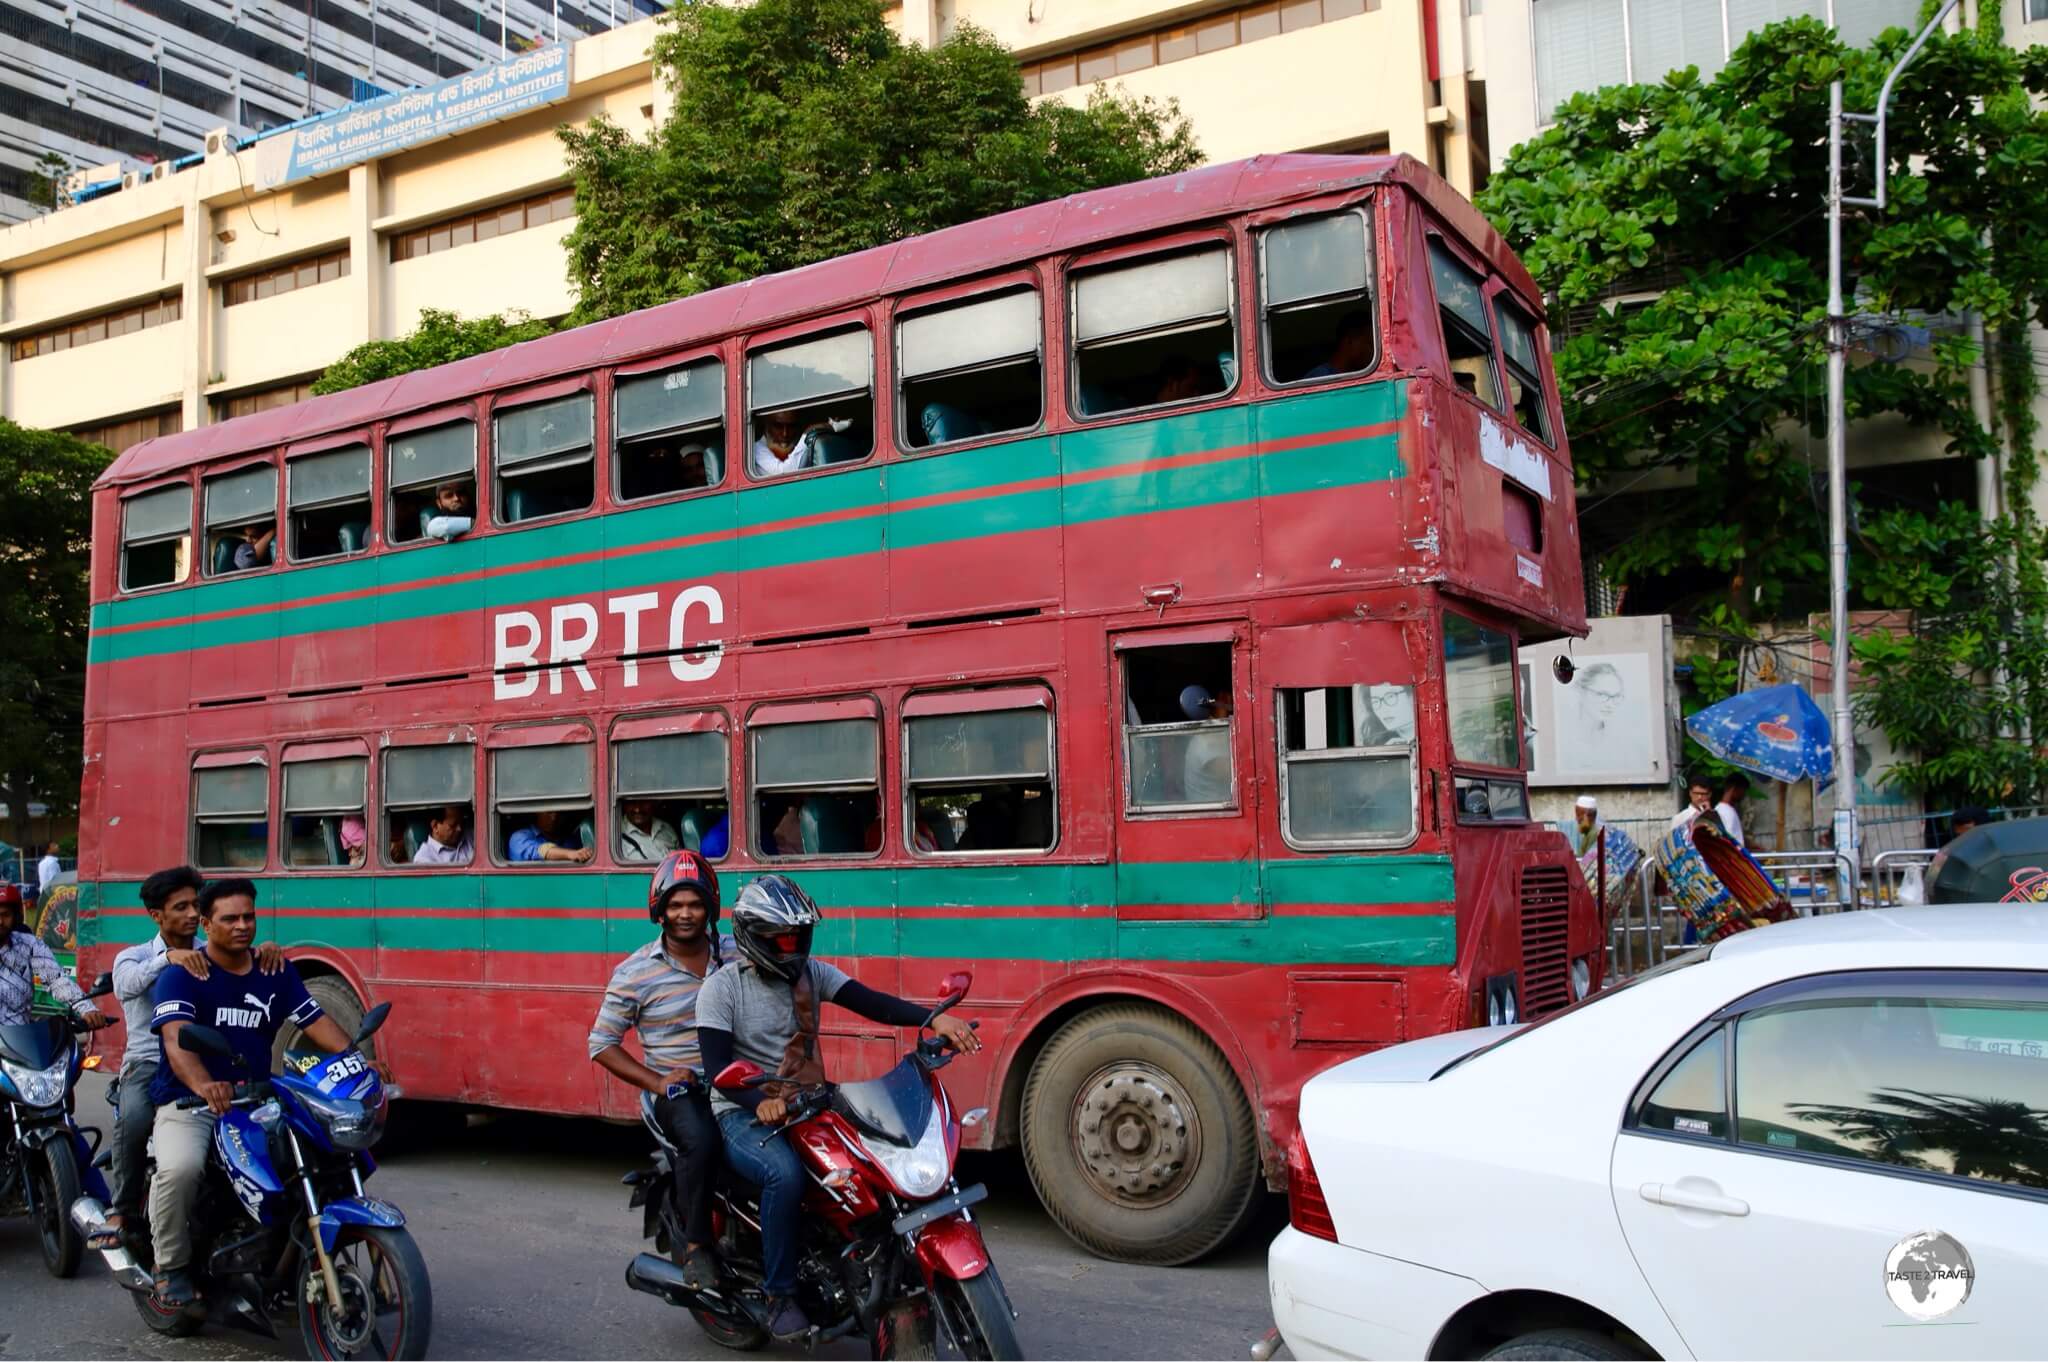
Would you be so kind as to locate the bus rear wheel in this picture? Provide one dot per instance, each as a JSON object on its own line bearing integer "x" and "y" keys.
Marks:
{"x": 338, "y": 1001}
{"x": 1138, "y": 1139}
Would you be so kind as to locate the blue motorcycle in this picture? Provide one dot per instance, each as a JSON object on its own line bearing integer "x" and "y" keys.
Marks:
{"x": 45, "y": 1163}
{"x": 282, "y": 1229}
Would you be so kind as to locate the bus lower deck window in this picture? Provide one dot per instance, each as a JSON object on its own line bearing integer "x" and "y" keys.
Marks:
{"x": 231, "y": 816}
{"x": 1468, "y": 336}
{"x": 542, "y": 805}
{"x": 671, "y": 793}
{"x": 156, "y": 538}
{"x": 811, "y": 403}
{"x": 1153, "y": 333}
{"x": 432, "y": 476}
{"x": 1178, "y": 707}
{"x": 979, "y": 781}
{"x": 329, "y": 500}
{"x": 971, "y": 369}
{"x": 323, "y": 808}
{"x": 1316, "y": 281}
{"x": 429, "y": 797}
{"x": 817, "y": 788}
{"x": 545, "y": 456}
{"x": 1347, "y": 764}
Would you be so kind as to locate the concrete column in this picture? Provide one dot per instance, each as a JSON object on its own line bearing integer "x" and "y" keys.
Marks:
{"x": 921, "y": 22}
{"x": 196, "y": 301}
{"x": 366, "y": 258}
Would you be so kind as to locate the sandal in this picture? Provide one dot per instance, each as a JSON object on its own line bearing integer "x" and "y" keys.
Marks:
{"x": 107, "y": 1236}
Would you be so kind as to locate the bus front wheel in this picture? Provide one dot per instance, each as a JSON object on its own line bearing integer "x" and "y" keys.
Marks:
{"x": 1138, "y": 1139}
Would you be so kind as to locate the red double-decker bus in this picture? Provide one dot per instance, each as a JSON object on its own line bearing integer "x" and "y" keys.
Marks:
{"x": 1118, "y": 597}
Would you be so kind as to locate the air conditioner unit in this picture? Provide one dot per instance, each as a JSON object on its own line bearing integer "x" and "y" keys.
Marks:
{"x": 219, "y": 142}
{"x": 160, "y": 171}
{"x": 131, "y": 179}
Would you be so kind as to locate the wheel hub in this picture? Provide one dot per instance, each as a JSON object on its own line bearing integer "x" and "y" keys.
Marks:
{"x": 352, "y": 1319}
{"x": 1136, "y": 1135}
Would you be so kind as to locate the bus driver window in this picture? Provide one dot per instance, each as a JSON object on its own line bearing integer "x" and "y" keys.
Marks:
{"x": 1178, "y": 719}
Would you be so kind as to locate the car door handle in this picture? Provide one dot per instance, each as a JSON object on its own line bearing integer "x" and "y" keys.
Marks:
{"x": 1686, "y": 1199}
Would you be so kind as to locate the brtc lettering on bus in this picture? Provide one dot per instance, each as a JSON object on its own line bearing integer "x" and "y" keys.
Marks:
{"x": 571, "y": 635}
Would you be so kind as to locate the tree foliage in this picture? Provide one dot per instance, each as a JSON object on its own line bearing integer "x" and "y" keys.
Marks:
{"x": 804, "y": 129}
{"x": 440, "y": 338}
{"x": 45, "y": 541}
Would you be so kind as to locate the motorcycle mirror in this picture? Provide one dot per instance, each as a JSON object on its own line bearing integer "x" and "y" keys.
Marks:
{"x": 372, "y": 1019}
{"x": 204, "y": 1040}
{"x": 956, "y": 985}
{"x": 101, "y": 986}
{"x": 737, "y": 1075}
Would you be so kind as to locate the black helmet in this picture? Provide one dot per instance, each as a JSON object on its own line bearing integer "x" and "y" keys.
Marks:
{"x": 683, "y": 869}
{"x": 771, "y": 924}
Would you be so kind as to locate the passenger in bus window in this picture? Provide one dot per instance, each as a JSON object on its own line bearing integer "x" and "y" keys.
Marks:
{"x": 1181, "y": 378}
{"x": 782, "y": 829}
{"x": 355, "y": 840}
{"x": 785, "y": 444}
{"x": 448, "y": 841}
{"x": 454, "y": 511}
{"x": 644, "y": 836}
{"x": 1206, "y": 777}
{"x": 254, "y": 550}
{"x": 549, "y": 837}
{"x": 1354, "y": 347}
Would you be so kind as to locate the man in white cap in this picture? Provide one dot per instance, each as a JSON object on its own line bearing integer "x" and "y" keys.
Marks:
{"x": 1586, "y": 825}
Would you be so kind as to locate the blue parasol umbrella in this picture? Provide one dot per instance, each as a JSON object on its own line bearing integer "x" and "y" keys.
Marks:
{"x": 1777, "y": 731}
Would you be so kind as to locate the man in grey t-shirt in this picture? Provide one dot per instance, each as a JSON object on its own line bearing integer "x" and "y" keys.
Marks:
{"x": 765, "y": 1009}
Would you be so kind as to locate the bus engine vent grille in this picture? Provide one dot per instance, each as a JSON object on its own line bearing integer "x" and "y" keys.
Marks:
{"x": 1545, "y": 893}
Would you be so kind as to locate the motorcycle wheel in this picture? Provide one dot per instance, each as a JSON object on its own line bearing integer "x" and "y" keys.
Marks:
{"x": 907, "y": 1333}
{"x": 978, "y": 1317}
{"x": 388, "y": 1304}
{"x": 55, "y": 1170}
{"x": 740, "y": 1338}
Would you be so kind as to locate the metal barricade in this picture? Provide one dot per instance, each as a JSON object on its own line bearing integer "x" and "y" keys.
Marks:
{"x": 1813, "y": 881}
{"x": 1891, "y": 871}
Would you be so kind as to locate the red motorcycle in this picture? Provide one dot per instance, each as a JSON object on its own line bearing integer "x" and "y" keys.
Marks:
{"x": 890, "y": 1246}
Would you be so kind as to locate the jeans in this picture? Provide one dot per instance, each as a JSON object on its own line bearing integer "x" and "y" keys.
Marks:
{"x": 131, "y": 1137}
{"x": 771, "y": 1165}
{"x": 182, "y": 1141}
{"x": 687, "y": 1119}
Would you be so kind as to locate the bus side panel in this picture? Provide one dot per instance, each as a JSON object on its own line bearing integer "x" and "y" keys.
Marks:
{"x": 1014, "y": 559}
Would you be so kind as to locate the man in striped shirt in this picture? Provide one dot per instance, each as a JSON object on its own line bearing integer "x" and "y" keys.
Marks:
{"x": 655, "y": 989}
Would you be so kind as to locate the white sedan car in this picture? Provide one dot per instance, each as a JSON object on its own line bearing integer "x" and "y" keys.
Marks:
{"x": 1827, "y": 1138}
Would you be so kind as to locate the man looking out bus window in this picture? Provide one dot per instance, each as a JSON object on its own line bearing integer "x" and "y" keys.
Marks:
{"x": 643, "y": 835}
{"x": 784, "y": 445}
{"x": 549, "y": 837}
{"x": 1206, "y": 777}
{"x": 254, "y": 550}
{"x": 453, "y": 513}
{"x": 447, "y": 839}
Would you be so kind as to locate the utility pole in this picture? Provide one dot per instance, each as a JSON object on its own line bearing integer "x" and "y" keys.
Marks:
{"x": 1847, "y": 842}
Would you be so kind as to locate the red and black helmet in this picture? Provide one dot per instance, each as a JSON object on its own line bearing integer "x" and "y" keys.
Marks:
{"x": 683, "y": 869}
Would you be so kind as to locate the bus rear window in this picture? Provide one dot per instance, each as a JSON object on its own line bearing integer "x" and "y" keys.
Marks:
{"x": 329, "y": 498}
{"x": 1468, "y": 337}
{"x": 817, "y": 788}
{"x": 972, "y": 369}
{"x": 1525, "y": 371}
{"x": 1154, "y": 332}
{"x": 156, "y": 538}
{"x": 1479, "y": 693}
{"x": 1316, "y": 281}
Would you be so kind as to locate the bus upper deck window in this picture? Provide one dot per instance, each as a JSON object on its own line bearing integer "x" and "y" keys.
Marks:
{"x": 1154, "y": 332}
{"x": 1347, "y": 765}
{"x": 432, "y": 476}
{"x": 429, "y": 799}
{"x": 668, "y": 430}
{"x": 323, "y": 812}
{"x": 329, "y": 497}
{"x": 671, "y": 793}
{"x": 156, "y": 538}
{"x": 231, "y": 816}
{"x": 1317, "y": 285}
{"x": 241, "y": 521}
{"x": 817, "y": 788}
{"x": 979, "y": 780}
{"x": 1468, "y": 338}
{"x": 545, "y": 812}
{"x": 1479, "y": 693}
{"x": 971, "y": 369}
{"x": 812, "y": 403}
{"x": 1525, "y": 371}
{"x": 1178, "y": 706}
{"x": 545, "y": 457}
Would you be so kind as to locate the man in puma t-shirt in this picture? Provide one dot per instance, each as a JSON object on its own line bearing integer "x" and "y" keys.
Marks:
{"x": 247, "y": 1007}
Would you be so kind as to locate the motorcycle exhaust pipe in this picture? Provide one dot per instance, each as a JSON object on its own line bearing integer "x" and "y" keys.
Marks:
{"x": 91, "y": 1217}
{"x": 658, "y": 1277}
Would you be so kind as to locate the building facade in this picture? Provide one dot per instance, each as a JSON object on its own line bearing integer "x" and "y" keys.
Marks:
{"x": 130, "y": 84}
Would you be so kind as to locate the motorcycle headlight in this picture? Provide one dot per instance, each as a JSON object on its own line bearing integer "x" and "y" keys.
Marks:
{"x": 921, "y": 1169}
{"x": 38, "y": 1087}
{"x": 350, "y": 1124}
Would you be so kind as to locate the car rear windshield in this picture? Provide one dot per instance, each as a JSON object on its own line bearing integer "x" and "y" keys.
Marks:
{"x": 1691, "y": 957}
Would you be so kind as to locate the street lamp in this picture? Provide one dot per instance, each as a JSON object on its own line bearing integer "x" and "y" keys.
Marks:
{"x": 1845, "y": 834}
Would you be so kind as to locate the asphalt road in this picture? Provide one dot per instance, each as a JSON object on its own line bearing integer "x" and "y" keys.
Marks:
{"x": 526, "y": 1235}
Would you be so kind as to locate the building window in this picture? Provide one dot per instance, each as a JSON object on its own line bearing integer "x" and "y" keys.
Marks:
{"x": 275, "y": 279}
{"x": 668, "y": 430}
{"x": 156, "y": 538}
{"x": 1135, "y": 52}
{"x": 104, "y": 326}
{"x": 553, "y": 205}
{"x": 971, "y": 369}
{"x": 546, "y": 458}
{"x": 231, "y": 813}
{"x": 1153, "y": 332}
{"x": 261, "y": 399}
{"x": 119, "y": 435}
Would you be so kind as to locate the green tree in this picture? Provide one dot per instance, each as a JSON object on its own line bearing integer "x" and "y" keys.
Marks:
{"x": 45, "y": 543}
{"x": 1711, "y": 196}
{"x": 440, "y": 338}
{"x": 804, "y": 129}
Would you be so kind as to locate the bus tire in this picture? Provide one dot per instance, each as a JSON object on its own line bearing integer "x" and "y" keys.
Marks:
{"x": 1138, "y": 1139}
{"x": 338, "y": 1001}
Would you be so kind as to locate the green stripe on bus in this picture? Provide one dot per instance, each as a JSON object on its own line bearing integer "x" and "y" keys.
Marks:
{"x": 517, "y": 568}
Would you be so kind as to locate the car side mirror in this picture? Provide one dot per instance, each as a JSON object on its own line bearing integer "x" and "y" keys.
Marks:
{"x": 101, "y": 986}
{"x": 737, "y": 1075}
{"x": 372, "y": 1020}
{"x": 204, "y": 1040}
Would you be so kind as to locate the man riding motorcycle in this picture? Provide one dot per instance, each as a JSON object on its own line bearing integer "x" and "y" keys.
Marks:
{"x": 23, "y": 960}
{"x": 656, "y": 989}
{"x": 247, "y": 1007}
{"x": 765, "y": 1009}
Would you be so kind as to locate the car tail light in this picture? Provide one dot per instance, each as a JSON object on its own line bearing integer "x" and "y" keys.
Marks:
{"x": 1306, "y": 1209}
